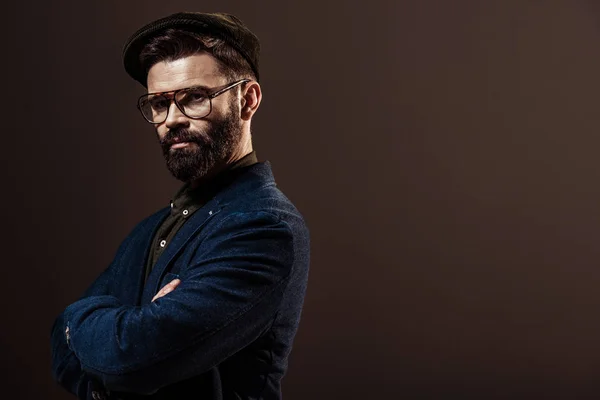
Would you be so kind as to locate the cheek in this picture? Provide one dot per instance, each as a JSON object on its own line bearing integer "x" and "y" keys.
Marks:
{"x": 161, "y": 132}
{"x": 224, "y": 107}
{"x": 199, "y": 126}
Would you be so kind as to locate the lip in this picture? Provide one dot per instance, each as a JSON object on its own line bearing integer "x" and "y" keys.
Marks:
{"x": 180, "y": 145}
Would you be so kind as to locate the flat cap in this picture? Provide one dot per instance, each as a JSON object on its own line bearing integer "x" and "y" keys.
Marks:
{"x": 223, "y": 26}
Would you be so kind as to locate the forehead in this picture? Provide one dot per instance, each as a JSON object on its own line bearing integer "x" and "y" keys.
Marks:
{"x": 198, "y": 69}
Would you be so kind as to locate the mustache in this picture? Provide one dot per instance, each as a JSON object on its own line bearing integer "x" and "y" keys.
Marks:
{"x": 182, "y": 135}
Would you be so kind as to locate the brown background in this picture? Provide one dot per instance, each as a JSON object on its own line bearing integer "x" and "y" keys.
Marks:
{"x": 444, "y": 153}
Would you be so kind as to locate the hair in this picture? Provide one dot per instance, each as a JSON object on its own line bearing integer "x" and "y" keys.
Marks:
{"x": 174, "y": 44}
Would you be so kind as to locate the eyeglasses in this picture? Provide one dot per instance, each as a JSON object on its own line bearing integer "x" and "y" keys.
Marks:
{"x": 194, "y": 102}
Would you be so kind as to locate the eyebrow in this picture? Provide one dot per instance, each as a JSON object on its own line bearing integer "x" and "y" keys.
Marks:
{"x": 206, "y": 88}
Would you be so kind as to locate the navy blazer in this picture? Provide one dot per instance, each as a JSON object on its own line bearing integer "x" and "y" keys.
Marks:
{"x": 224, "y": 333}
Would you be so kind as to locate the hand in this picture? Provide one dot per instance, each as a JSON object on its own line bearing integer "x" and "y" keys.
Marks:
{"x": 169, "y": 287}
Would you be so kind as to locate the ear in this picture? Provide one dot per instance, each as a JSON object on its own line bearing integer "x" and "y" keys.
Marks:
{"x": 251, "y": 98}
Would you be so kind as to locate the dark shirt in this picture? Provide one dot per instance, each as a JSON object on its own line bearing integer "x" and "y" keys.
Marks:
{"x": 187, "y": 200}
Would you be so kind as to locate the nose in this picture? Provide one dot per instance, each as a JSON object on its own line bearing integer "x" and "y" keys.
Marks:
{"x": 175, "y": 117}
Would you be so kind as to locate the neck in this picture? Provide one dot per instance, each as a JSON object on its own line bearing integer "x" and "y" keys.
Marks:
{"x": 243, "y": 148}
{"x": 218, "y": 169}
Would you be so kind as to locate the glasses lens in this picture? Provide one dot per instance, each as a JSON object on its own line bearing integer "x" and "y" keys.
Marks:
{"x": 154, "y": 107}
{"x": 195, "y": 102}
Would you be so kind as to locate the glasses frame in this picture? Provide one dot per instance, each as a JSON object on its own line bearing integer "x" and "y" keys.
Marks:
{"x": 172, "y": 95}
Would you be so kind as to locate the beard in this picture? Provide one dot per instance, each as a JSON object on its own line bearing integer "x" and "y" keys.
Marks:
{"x": 206, "y": 151}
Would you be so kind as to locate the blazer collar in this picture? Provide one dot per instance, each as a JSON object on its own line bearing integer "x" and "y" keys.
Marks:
{"x": 255, "y": 176}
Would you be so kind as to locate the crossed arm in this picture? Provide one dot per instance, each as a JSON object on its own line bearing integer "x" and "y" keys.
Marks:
{"x": 224, "y": 301}
{"x": 168, "y": 288}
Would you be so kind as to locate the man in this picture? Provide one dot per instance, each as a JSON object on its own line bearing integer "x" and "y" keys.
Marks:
{"x": 203, "y": 298}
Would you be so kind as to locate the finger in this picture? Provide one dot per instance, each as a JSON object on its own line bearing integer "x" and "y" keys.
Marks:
{"x": 160, "y": 293}
{"x": 169, "y": 287}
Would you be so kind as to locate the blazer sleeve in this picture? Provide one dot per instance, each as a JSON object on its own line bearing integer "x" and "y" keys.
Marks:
{"x": 66, "y": 368}
{"x": 228, "y": 296}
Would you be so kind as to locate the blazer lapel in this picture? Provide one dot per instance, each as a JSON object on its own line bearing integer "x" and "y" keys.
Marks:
{"x": 256, "y": 176}
{"x": 181, "y": 238}
{"x": 136, "y": 276}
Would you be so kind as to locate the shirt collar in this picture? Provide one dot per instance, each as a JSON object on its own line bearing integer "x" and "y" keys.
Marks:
{"x": 187, "y": 197}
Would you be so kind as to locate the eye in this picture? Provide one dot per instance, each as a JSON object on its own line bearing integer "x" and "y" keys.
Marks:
{"x": 158, "y": 102}
{"x": 192, "y": 96}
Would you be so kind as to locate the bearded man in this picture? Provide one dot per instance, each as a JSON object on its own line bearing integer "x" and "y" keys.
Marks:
{"x": 203, "y": 298}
